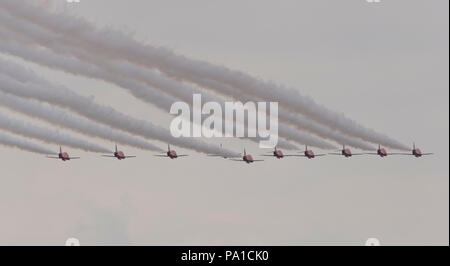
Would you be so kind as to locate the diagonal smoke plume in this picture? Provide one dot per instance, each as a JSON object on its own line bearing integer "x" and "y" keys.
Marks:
{"x": 23, "y": 144}
{"x": 181, "y": 91}
{"x": 50, "y": 136}
{"x": 61, "y": 117}
{"x": 42, "y": 90}
{"x": 113, "y": 44}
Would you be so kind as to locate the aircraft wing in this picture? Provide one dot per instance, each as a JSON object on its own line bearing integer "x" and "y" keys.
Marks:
{"x": 429, "y": 153}
{"x": 108, "y": 156}
{"x": 71, "y": 158}
{"x": 53, "y": 157}
{"x": 160, "y": 155}
{"x": 182, "y": 155}
{"x": 130, "y": 156}
{"x": 410, "y": 154}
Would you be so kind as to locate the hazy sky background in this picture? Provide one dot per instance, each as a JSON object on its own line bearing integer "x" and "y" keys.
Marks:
{"x": 383, "y": 64}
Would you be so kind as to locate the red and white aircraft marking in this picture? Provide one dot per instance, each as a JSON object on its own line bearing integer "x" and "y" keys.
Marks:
{"x": 64, "y": 156}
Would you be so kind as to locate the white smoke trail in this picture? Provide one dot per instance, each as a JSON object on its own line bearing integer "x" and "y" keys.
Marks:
{"x": 113, "y": 44}
{"x": 77, "y": 67}
{"x": 17, "y": 73}
{"x": 311, "y": 126}
{"x": 50, "y": 136}
{"x": 61, "y": 117}
{"x": 61, "y": 96}
{"x": 23, "y": 144}
{"x": 300, "y": 122}
{"x": 44, "y": 57}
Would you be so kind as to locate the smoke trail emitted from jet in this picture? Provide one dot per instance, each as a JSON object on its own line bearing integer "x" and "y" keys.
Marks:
{"x": 50, "y": 136}
{"x": 61, "y": 117}
{"x": 23, "y": 144}
{"x": 300, "y": 122}
{"x": 114, "y": 44}
{"x": 72, "y": 65}
{"x": 183, "y": 92}
{"x": 88, "y": 127}
{"x": 59, "y": 95}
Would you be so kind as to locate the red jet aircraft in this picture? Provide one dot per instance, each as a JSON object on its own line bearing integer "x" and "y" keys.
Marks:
{"x": 64, "y": 156}
{"x": 310, "y": 154}
{"x": 382, "y": 152}
{"x": 346, "y": 152}
{"x": 247, "y": 158}
{"x": 416, "y": 152}
{"x": 119, "y": 155}
{"x": 171, "y": 154}
{"x": 277, "y": 154}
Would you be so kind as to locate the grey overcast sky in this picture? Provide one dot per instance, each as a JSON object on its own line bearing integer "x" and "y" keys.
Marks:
{"x": 383, "y": 64}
